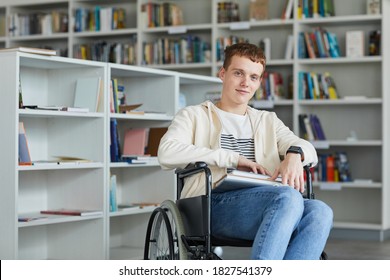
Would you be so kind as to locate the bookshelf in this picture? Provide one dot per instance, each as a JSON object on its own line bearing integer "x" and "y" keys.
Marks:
{"x": 363, "y": 108}
{"x": 84, "y": 184}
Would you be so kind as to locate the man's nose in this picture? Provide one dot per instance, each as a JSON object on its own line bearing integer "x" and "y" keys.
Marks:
{"x": 244, "y": 81}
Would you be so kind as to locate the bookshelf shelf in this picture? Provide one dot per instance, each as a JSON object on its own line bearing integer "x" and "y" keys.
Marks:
{"x": 365, "y": 185}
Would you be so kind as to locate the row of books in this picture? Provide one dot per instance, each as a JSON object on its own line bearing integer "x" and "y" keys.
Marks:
{"x": 272, "y": 87}
{"x": 310, "y": 127}
{"x": 227, "y": 11}
{"x": 161, "y": 14}
{"x": 312, "y": 85}
{"x": 318, "y": 44}
{"x": 315, "y": 8}
{"x": 223, "y": 42}
{"x": 188, "y": 49}
{"x": 332, "y": 167}
{"x": 117, "y": 96}
{"x": 115, "y": 52}
{"x": 134, "y": 145}
{"x": 125, "y": 53}
{"x": 99, "y": 19}
{"x": 38, "y": 23}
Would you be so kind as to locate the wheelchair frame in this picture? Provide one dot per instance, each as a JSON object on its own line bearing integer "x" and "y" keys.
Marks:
{"x": 175, "y": 230}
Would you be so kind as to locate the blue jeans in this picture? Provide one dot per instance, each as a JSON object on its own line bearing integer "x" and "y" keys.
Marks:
{"x": 281, "y": 222}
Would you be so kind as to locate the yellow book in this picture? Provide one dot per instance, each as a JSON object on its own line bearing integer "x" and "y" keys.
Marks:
{"x": 331, "y": 86}
{"x": 299, "y": 9}
{"x": 315, "y": 9}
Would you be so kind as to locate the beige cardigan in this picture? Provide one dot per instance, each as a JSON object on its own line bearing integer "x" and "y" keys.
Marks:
{"x": 194, "y": 135}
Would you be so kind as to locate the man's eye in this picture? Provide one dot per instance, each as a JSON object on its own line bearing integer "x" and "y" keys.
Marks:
{"x": 254, "y": 78}
{"x": 237, "y": 73}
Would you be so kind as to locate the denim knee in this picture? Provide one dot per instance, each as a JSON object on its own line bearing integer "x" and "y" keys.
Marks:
{"x": 322, "y": 213}
{"x": 291, "y": 200}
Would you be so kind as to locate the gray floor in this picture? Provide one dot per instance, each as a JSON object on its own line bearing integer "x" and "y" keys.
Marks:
{"x": 337, "y": 249}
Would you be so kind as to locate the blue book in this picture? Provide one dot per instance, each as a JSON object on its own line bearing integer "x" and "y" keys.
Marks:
{"x": 334, "y": 49}
{"x": 114, "y": 146}
{"x": 113, "y": 201}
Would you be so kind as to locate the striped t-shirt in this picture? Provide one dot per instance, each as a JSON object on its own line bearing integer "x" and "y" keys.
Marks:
{"x": 237, "y": 134}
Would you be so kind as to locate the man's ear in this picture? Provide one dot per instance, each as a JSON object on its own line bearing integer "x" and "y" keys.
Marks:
{"x": 221, "y": 73}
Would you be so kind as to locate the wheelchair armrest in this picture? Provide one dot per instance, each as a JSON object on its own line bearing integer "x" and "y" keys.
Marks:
{"x": 192, "y": 169}
{"x": 309, "y": 182}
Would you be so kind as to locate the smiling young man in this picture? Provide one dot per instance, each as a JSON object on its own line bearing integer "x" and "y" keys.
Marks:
{"x": 231, "y": 134}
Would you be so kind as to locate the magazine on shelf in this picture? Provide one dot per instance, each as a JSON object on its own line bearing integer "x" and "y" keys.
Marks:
{"x": 72, "y": 212}
{"x": 30, "y": 50}
{"x": 236, "y": 179}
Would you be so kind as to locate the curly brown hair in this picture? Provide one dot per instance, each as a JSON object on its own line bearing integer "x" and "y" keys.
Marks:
{"x": 248, "y": 50}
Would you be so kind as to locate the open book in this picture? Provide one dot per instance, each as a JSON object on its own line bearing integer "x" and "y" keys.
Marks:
{"x": 236, "y": 179}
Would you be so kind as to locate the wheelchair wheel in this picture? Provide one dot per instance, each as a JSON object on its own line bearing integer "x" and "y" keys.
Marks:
{"x": 163, "y": 236}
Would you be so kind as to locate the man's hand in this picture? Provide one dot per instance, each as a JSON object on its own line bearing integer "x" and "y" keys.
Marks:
{"x": 291, "y": 170}
{"x": 251, "y": 166}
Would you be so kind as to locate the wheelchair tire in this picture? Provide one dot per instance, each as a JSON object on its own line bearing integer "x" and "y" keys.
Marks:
{"x": 163, "y": 236}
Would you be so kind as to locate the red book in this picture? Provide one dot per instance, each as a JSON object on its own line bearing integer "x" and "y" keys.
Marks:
{"x": 330, "y": 168}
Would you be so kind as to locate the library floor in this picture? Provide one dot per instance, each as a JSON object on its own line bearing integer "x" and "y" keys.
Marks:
{"x": 337, "y": 249}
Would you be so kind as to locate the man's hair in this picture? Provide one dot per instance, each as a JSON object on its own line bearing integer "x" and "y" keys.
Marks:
{"x": 247, "y": 50}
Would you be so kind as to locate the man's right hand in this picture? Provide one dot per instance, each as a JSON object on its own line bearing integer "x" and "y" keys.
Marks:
{"x": 245, "y": 164}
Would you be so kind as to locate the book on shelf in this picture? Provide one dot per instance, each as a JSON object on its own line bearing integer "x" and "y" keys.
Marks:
{"x": 373, "y": 7}
{"x": 45, "y": 162}
{"x": 265, "y": 45}
{"x": 154, "y": 137}
{"x": 113, "y": 198}
{"x": 71, "y": 212}
{"x": 228, "y": 11}
{"x": 258, "y": 10}
{"x": 288, "y": 9}
{"x": 135, "y": 141}
{"x": 125, "y": 206}
{"x": 62, "y": 160}
{"x": 342, "y": 165}
{"x": 88, "y": 92}
{"x": 237, "y": 179}
{"x": 30, "y": 50}
{"x": 132, "y": 159}
{"x": 124, "y": 108}
{"x": 354, "y": 43}
{"x": 115, "y": 150}
{"x": 374, "y": 42}
{"x": 313, "y": 85}
{"x": 310, "y": 127}
{"x": 20, "y": 94}
{"x": 60, "y": 108}
{"x": 333, "y": 167}
{"x": 24, "y": 151}
{"x": 30, "y": 218}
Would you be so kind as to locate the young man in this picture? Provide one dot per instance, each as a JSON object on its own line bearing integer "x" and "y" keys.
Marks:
{"x": 230, "y": 134}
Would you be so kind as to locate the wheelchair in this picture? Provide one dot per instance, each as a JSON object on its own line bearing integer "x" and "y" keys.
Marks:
{"x": 181, "y": 230}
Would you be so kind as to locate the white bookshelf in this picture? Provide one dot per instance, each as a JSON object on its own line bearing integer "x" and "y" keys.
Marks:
{"x": 28, "y": 189}
{"x": 358, "y": 207}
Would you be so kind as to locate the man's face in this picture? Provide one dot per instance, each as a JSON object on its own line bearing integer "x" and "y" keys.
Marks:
{"x": 240, "y": 80}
